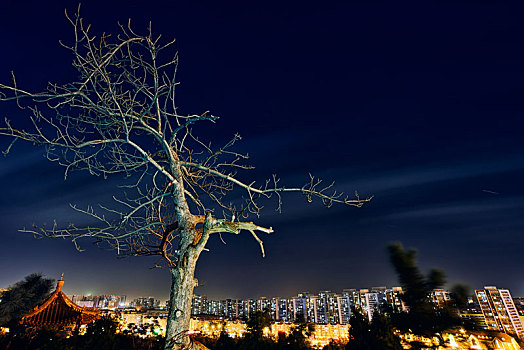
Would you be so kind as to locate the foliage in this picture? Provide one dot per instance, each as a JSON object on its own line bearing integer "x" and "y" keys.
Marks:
{"x": 254, "y": 338}
{"x": 459, "y": 294}
{"x": 101, "y": 335}
{"x": 257, "y": 322}
{"x": 334, "y": 345}
{"x": 225, "y": 342}
{"x": 105, "y": 325}
{"x": 416, "y": 287}
{"x": 298, "y": 337}
{"x": 21, "y": 297}
{"x": 423, "y": 317}
{"x": 376, "y": 335}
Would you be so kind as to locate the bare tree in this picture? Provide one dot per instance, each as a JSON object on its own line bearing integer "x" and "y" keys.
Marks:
{"x": 120, "y": 117}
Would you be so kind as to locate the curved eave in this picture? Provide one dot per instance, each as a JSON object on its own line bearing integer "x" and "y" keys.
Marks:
{"x": 71, "y": 314}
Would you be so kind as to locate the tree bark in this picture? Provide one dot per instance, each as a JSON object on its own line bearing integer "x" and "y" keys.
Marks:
{"x": 182, "y": 284}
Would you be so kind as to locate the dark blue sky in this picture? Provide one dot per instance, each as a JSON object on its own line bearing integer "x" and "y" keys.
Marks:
{"x": 418, "y": 103}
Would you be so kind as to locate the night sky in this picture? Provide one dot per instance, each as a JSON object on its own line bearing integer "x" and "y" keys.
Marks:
{"x": 417, "y": 103}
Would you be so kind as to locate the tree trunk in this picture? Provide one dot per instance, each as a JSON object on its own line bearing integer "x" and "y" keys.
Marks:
{"x": 182, "y": 285}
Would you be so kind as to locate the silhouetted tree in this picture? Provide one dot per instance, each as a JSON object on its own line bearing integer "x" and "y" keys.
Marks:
{"x": 334, "y": 345}
{"x": 32, "y": 338}
{"x": 105, "y": 325}
{"x": 423, "y": 317}
{"x": 383, "y": 331}
{"x": 415, "y": 286}
{"x": 119, "y": 118}
{"x": 256, "y": 324}
{"x": 299, "y": 333}
{"x": 21, "y": 297}
{"x": 460, "y": 293}
{"x": 225, "y": 342}
{"x": 377, "y": 335}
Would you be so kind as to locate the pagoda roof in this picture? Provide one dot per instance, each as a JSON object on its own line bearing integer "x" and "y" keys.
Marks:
{"x": 58, "y": 310}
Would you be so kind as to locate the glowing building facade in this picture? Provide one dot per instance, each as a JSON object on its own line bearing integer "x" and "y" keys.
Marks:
{"x": 499, "y": 310}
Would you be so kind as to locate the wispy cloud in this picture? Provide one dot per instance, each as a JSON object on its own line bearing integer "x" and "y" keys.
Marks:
{"x": 458, "y": 208}
{"x": 400, "y": 178}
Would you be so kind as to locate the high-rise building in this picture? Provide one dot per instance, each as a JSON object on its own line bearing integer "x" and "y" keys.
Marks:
{"x": 366, "y": 302}
{"x": 199, "y": 305}
{"x": 333, "y": 308}
{"x": 145, "y": 303}
{"x": 231, "y": 308}
{"x": 279, "y": 309}
{"x": 213, "y": 307}
{"x": 282, "y": 310}
{"x": 322, "y": 307}
{"x": 298, "y": 307}
{"x": 393, "y": 299}
{"x": 113, "y": 301}
{"x": 312, "y": 309}
{"x": 371, "y": 304}
{"x": 439, "y": 297}
{"x": 251, "y": 307}
{"x": 381, "y": 294}
{"x": 263, "y": 304}
{"x": 99, "y": 301}
{"x": 345, "y": 303}
{"x": 328, "y": 308}
{"x": 499, "y": 310}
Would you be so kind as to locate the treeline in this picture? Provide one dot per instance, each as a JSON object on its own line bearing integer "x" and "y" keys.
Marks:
{"x": 101, "y": 335}
{"x": 254, "y": 338}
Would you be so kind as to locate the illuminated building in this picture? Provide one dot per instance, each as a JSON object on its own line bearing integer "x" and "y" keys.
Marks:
{"x": 99, "y": 301}
{"x": 231, "y": 308}
{"x": 475, "y": 321}
{"x": 366, "y": 302}
{"x": 439, "y": 297}
{"x": 263, "y": 304}
{"x": 298, "y": 307}
{"x": 217, "y": 308}
{"x": 243, "y": 309}
{"x": 322, "y": 308}
{"x": 320, "y": 337}
{"x": 344, "y": 308}
{"x": 311, "y": 309}
{"x": 462, "y": 339}
{"x": 393, "y": 299}
{"x": 324, "y": 333}
{"x": 283, "y": 310}
{"x": 334, "y": 309}
{"x": 279, "y": 309}
{"x": 328, "y": 308}
{"x": 113, "y": 301}
{"x": 381, "y": 294}
{"x": 154, "y": 322}
{"x": 145, "y": 303}
{"x": 251, "y": 306}
{"x": 371, "y": 304}
{"x": 84, "y": 300}
{"x": 359, "y": 300}
{"x": 199, "y": 305}
{"x": 325, "y": 308}
{"x": 499, "y": 310}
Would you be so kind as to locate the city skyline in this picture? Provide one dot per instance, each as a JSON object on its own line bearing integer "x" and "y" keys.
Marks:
{"x": 71, "y": 291}
{"x": 419, "y": 105}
